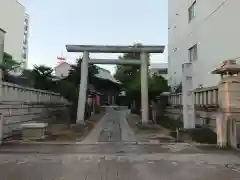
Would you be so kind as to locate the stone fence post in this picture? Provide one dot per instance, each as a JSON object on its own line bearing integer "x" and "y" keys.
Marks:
{"x": 188, "y": 96}
{"x": 229, "y": 103}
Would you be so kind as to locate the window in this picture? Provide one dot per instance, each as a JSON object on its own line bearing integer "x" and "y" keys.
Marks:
{"x": 191, "y": 11}
{"x": 24, "y": 55}
{"x": 193, "y": 53}
{"x": 26, "y": 22}
{"x": 25, "y": 40}
{"x": 26, "y": 28}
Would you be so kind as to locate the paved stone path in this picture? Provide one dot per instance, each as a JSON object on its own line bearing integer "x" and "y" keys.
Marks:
{"x": 110, "y": 152}
{"x": 112, "y": 128}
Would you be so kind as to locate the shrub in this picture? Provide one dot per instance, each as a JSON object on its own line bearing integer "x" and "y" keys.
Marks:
{"x": 97, "y": 109}
{"x": 202, "y": 135}
{"x": 135, "y": 111}
{"x": 169, "y": 123}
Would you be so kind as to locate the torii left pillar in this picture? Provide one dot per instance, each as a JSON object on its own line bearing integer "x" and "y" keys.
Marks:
{"x": 144, "y": 87}
{"x": 83, "y": 88}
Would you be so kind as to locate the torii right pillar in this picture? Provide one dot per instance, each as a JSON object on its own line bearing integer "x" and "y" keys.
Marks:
{"x": 144, "y": 87}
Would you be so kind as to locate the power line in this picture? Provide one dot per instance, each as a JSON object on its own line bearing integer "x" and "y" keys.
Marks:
{"x": 210, "y": 15}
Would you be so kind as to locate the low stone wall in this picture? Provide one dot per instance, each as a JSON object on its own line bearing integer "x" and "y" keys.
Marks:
{"x": 14, "y": 114}
{"x": 19, "y": 105}
{"x": 206, "y": 117}
{"x": 174, "y": 112}
{"x": 205, "y": 106}
{"x": 15, "y": 93}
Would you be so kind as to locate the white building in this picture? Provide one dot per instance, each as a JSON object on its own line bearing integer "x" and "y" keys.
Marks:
{"x": 205, "y": 33}
{"x": 15, "y": 22}
{"x": 62, "y": 70}
{"x": 159, "y": 68}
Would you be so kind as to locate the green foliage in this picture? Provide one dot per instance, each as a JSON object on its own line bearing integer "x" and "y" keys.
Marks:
{"x": 9, "y": 64}
{"x": 74, "y": 73}
{"x": 131, "y": 82}
{"x": 169, "y": 123}
{"x": 97, "y": 109}
{"x": 42, "y": 77}
{"x": 67, "y": 89}
{"x": 157, "y": 85}
{"x": 69, "y": 86}
{"x": 202, "y": 135}
{"x": 129, "y": 75}
{"x": 178, "y": 88}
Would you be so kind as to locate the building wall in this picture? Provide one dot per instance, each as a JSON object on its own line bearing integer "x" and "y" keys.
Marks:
{"x": 214, "y": 30}
{"x": 12, "y": 16}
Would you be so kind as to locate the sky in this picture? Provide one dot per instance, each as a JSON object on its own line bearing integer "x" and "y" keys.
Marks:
{"x": 55, "y": 23}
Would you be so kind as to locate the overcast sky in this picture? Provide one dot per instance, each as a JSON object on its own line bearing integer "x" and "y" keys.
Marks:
{"x": 55, "y": 23}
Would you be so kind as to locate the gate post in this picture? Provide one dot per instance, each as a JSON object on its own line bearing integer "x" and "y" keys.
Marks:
{"x": 83, "y": 88}
{"x": 144, "y": 87}
{"x": 188, "y": 96}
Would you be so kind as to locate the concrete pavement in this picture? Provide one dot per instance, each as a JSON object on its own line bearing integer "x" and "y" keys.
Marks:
{"x": 110, "y": 152}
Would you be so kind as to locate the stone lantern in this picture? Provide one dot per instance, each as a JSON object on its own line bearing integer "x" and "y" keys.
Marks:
{"x": 229, "y": 103}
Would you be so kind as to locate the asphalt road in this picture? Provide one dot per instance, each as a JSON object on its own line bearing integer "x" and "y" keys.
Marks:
{"x": 111, "y": 152}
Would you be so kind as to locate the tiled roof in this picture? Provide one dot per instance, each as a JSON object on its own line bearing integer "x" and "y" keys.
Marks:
{"x": 102, "y": 74}
{"x": 105, "y": 74}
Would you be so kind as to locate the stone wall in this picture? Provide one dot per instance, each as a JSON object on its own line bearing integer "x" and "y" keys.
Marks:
{"x": 19, "y": 105}
{"x": 205, "y": 106}
{"x": 202, "y": 116}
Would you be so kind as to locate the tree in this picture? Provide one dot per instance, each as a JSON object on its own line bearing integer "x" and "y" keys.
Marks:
{"x": 157, "y": 85}
{"x": 178, "y": 88}
{"x": 69, "y": 86}
{"x": 42, "y": 77}
{"x": 130, "y": 77}
{"x": 75, "y": 72}
{"x": 9, "y": 65}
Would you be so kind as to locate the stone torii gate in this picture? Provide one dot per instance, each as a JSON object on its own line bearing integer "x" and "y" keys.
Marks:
{"x": 144, "y": 62}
